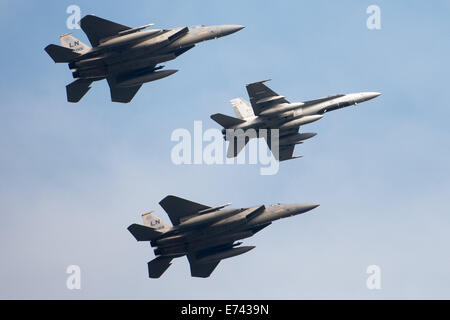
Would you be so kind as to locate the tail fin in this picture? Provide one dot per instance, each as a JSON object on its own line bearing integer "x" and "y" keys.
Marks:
{"x": 242, "y": 108}
{"x": 60, "y": 54}
{"x": 152, "y": 221}
{"x": 226, "y": 121}
{"x": 77, "y": 89}
{"x": 153, "y": 228}
{"x": 70, "y": 42}
{"x": 236, "y": 146}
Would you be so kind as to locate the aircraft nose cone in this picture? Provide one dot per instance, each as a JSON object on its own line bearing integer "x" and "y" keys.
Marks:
{"x": 368, "y": 96}
{"x": 372, "y": 95}
{"x": 310, "y": 206}
{"x": 302, "y": 208}
{"x": 229, "y": 29}
{"x": 238, "y": 27}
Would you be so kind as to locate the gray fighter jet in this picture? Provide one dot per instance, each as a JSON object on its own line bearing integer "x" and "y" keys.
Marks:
{"x": 126, "y": 57}
{"x": 206, "y": 235}
{"x": 268, "y": 110}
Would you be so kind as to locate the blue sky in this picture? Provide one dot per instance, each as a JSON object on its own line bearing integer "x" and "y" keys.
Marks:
{"x": 74, "y": 176}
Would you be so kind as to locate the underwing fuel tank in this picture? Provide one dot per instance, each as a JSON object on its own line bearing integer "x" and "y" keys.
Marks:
{"x": 136, "y": 64}
{"x": 146, "y": 77}
{"x": 297, "y": 137}
{"x": 89, "y": 73}
{"x": 225, "y": 254}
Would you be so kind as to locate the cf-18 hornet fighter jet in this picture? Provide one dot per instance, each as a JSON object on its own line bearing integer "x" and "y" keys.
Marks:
{"x": 269, "y": 110}
{"x": 206, "y": 235}
{"x": 126, "y": 57}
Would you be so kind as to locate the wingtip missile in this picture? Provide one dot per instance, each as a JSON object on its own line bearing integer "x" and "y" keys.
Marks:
{"x": 225, "y": 254}
{"x": 146, "y": 77}
{"x": 214, "y": 208}
{"x": 295, "y": 157}
{"x": 125, "y": 32}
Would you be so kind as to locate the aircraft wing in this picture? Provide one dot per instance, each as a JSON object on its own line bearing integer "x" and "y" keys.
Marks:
{"x": 203, "y": 262}
{"x": 178, "y": 208}
{"x": 98, "y": 28}
{"x": 202, "y": 270}
{"x": 121, "y": 94}
{"x": 285, "y": 152}
{"x": 260, "y": 96}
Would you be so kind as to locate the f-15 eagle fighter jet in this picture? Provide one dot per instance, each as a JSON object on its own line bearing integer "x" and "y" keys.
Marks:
{"x": 206, "y": 235}
{"x": 126, "y": 57}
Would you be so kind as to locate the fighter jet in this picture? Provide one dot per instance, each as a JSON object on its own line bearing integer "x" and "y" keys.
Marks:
{"x": 269, "y": 110}
{"x": 206, "y": 235}
{"x": 126, "y": 57}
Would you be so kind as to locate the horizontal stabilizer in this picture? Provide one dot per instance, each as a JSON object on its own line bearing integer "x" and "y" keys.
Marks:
{"x": 60, "y": 54}
{"x": 143, "y": 233}
{"x": 158, "y": 266}
{"x": 226, "y": 121}
{"x": 77, "y": 89}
